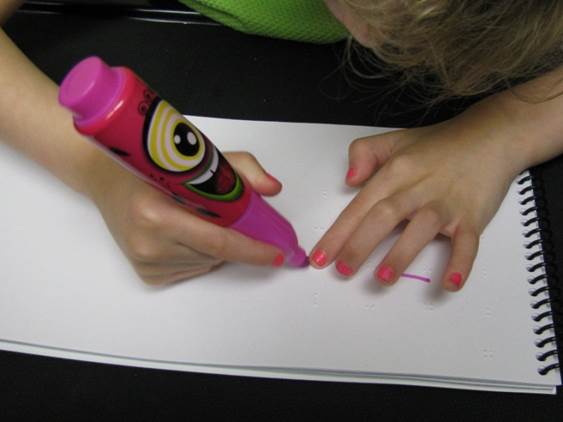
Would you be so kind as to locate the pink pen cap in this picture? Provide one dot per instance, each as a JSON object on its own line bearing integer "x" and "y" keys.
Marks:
{"x": 90, "y": 89}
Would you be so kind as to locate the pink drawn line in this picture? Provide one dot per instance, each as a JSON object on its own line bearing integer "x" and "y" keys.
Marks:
{"x": 416, "y": 277}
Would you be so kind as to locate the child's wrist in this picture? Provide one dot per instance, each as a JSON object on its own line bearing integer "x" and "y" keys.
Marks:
{"x": 92, "y": 172}
{"x": 499, "y": 131}
{"x": 524, "y": 130}
{"x": 519, "y": 143}
{"x": 533, "y": 113}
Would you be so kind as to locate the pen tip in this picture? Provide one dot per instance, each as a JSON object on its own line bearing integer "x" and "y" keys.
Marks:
{"x": 299, "y": 259}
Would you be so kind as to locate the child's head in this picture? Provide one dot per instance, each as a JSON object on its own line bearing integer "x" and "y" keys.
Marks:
{"x": 470, "y": 46}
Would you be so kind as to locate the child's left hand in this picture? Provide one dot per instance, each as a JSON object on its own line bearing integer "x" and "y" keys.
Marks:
{"x": 448, "y": 178}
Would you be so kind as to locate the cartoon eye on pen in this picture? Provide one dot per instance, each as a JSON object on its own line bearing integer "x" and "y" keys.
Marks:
{"x": 174, "y": 145}
{"x": 171, "y": 142}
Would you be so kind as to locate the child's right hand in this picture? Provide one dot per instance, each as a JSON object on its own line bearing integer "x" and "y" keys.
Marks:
{"x": 163, "y": 241}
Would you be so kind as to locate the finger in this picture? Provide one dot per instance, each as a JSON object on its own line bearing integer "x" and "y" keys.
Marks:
{"x": 330, "y": 244}
{"x": 192, "y": 234}
{"x": 421, "y": 230}
{"x": 221, "y": 242}
{"x": 365, "y": 155}
{"x": 188, "y": 264}
{"x": 189, "y": 256}
{"x": 465, "y": 244}
{"x": 376, "y": 226}
{"x": 248, "y": 166}
{"x": 165, "y": 251}
{"x": 169, "y": 278}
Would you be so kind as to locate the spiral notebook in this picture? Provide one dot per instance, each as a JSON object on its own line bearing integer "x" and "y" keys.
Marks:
{"x": 67, "y": 291}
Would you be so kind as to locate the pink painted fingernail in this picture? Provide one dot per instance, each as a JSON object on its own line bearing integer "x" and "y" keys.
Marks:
{"x": 319, "y": 257}
{"x": 385, "y": 273}
{"x": 351, "y": 173}
{"x": 278, "y": 260}
{"x": 456, "y": 278}
{"x": 343, "y": 268}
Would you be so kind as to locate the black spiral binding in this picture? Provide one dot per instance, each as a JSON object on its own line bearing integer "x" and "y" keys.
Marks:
{"x": 546, "y": 294}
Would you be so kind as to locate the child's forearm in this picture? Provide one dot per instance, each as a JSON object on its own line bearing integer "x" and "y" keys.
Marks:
{"x": 32, "y": 121}
{"x": 7, "y": 8}
{"x": 535, "y": 124}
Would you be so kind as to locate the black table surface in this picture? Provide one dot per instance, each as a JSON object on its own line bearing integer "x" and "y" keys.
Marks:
{"x": 206, "y": 69}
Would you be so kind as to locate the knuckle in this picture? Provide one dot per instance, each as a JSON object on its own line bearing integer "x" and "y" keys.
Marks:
{"x": 215, "y": 262}
{"x": 449, "y": 230}
{"x": 141, "y": 250}
{"x": 350, "y": 253}
{"x": 473, "y": 237}
{"x": 246, "y": 157}
{"x": 250, "y": 157}
{"x": 145, "y": 213}
{"x": 467, "y": 239}
{"x": 430, "y": 216}
{"x": 152, "y": 280}
{"x": 400, "y": 165}
{"x": 385, "y": 210}
{"x": 359, "y": 146}
{"x": 469, "y": 232}
{"x": 217, "y": 246}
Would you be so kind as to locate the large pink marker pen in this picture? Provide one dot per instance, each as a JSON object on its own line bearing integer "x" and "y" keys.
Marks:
{"x": 117, "y": 110}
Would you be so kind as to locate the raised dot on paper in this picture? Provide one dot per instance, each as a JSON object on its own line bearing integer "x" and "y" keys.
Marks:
{"x": 487, "y": 353}
{"x": 316, "y": 300}
{"x": 487, "y": 312}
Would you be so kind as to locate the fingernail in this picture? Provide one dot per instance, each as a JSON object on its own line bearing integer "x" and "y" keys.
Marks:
{"x": 351, "y": 173}
{"x": 319, "y": 257}
{"x": 278, "y": 260}
{"x": 385, "y": 273}
{"x": 343, "y": 268}
{"x": 456, "y": 278}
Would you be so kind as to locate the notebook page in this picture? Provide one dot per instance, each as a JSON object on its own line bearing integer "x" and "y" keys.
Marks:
{"x": 67, "y": 286}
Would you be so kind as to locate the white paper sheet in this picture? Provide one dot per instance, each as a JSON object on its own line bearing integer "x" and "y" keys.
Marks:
{"x": 66, "y": 290}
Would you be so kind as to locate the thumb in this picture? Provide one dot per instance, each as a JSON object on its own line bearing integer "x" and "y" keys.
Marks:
{"x": 250, "y": 169}
{"x": 366, "y": 155}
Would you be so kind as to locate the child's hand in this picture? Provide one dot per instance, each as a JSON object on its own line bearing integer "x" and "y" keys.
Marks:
{"x": 163, "y": 241}
{"x": 448, "y": 178}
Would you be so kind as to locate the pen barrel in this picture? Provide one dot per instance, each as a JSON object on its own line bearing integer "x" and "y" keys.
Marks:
{"x": 143, "y": 132}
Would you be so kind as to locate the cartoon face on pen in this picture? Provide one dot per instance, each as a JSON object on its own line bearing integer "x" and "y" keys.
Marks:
{"x": 176, "y": 146}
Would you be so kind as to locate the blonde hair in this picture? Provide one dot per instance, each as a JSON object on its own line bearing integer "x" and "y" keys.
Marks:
{"x": 469, "y": 47}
